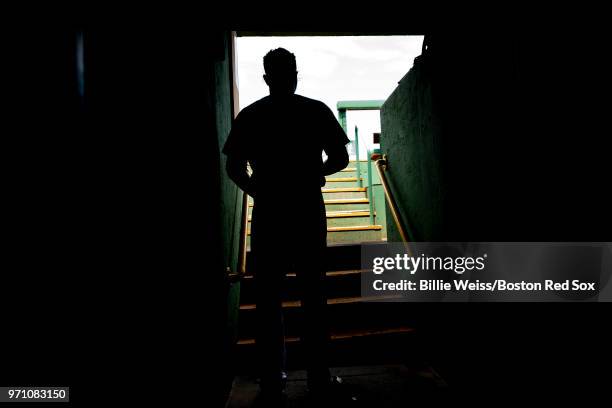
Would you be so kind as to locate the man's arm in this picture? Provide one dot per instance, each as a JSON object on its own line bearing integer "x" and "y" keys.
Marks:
{"x": 337, "y": 159}
{"x": 334, "y": 143}
{"x": 236, "y": 168}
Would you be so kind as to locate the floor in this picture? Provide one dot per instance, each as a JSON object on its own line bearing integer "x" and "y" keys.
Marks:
{"x": 380, "y": 386}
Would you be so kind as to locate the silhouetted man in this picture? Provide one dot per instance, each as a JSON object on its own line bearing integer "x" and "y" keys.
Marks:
{"x": 282, "y": 137}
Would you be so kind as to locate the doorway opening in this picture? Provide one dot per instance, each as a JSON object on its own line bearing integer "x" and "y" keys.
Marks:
{"x": 343, "y": 72}
{"x": 352, "y": 76}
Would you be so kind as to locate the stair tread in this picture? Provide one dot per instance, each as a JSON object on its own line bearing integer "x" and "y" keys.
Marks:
{"x": 330, "y": 301}
{"x": 349, "y": 228}
{"x": 341, "y": 179}
{"x": 347, "y": 213}
{"x": 328, "y": 273}
{"x": 355, "y": 228}
{"x": 346, "y": 334}
{"x": 347, "y": 201}
{"x": 340, "y": 214}
{"x": 344, "y": 190}
{"x": 341, "y": 201}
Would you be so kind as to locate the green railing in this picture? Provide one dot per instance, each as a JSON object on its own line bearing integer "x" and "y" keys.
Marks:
{"x": 343, "y": 107}
{"x": 370, "y": 189}
{"x": 358, "y": 169}
{"x": 403, "y": 229}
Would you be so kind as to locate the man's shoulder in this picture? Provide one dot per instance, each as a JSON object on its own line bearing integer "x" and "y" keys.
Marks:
{"x": 314, "y": 106}
{"x": 267, "y": 105}
{"x": 255, "y": 107}
{"x": 310, "y": 102}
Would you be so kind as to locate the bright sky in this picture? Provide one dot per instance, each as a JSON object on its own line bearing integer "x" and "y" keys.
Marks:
{"x": 332, "y": 69}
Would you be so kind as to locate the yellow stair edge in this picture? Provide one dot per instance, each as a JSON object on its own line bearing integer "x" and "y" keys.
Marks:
{"x": 343, "y": 335}
{"x": 341, "y": 179}
{"x": 349, "y": 169}
{"x": 341, "y": 201}
{"x": 349, "y": 228}
{"x": 355, "y": 228}
{"x": 342, "y": 214}
{"x": 288, "y": 304}
{"x": 328, "y": 273}
{"x": 344, "y": 190}
{"x": 347, "y": 201}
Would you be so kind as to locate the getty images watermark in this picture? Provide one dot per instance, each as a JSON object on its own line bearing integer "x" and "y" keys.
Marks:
{"x": 486, "y": 271}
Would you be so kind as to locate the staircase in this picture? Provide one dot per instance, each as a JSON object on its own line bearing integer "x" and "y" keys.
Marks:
{"x": 348, "y": 207}
{"x": 361, "y": 332}
{"x": 347, "y": 204}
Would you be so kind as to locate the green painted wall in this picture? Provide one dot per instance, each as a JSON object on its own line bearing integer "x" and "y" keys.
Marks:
{"x": 453, "y": 144}
{"x": 230, "y": 195}
{"x": 410, "y": 139}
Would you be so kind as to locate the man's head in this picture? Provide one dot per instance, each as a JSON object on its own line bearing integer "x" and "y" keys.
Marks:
{"x": 281, "y": 72}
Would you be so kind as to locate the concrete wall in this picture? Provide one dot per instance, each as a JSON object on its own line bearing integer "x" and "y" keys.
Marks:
{"x": 159, "y": 109}
{"x": 444, "y": 131}
{"x": 494, "y": 137}
{"x": 497, "y": 137}
{"x": 230, "y": 196}
{"x": 121, "y": 217}
{"x": 411, "y": 142}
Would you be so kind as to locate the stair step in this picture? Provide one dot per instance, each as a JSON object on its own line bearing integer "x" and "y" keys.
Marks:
{"x": 338, "y": 256}
{"x": 357, "y": 234}
{"x": 344, "y": 190}
{"x": 341, "y": 201}
{"x": 344, "y": 195}
{"x": 329, "y": 273}
{"x": 362, "y": 219}
{"x": 341, "y": 179}
{"x": 348, "y": 213}
{"x": 355, "y": 228}
{"x": 344, "y": 335}
{"x": 348, "y": 172}
{"x": 349, "y": 228}
{"x": 347, "y": 207}
{"x": 288, "y": 304}
{"x": 347, "y": 201}
{"x": 343, "y": 214}
{"x": 337, "y": 284}
{"x": 394, "y": 344}
{"x": 347, "y": 314}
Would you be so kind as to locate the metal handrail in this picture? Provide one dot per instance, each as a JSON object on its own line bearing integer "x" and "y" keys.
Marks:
{"x": 370, "y": 189}
{"x": 358, "y": 164}
{"x": 381, "y": 167}
{"x": 242, "y": 246}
